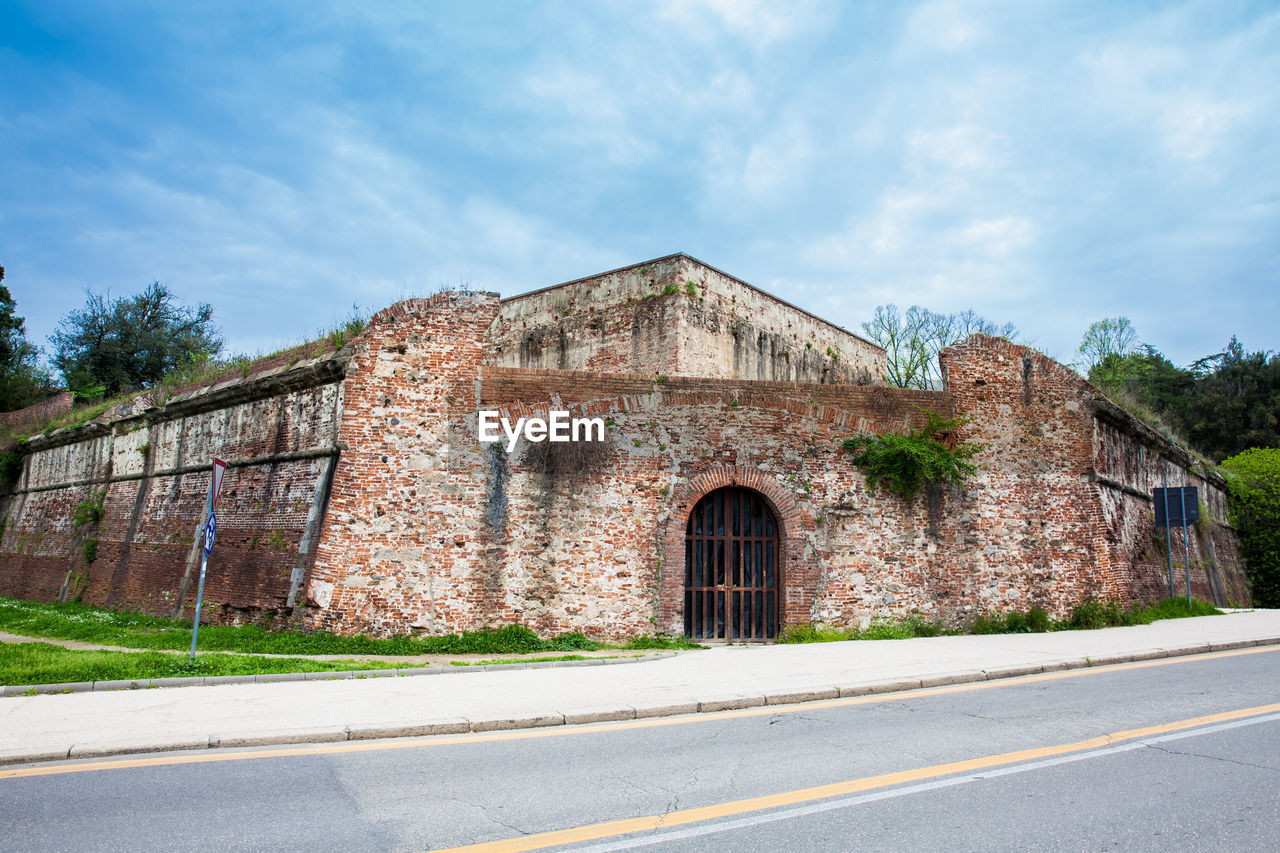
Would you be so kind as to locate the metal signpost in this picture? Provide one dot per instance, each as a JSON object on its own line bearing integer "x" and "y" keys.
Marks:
{"x": 209, "y": 533}
{"x": 1186, "y": 510}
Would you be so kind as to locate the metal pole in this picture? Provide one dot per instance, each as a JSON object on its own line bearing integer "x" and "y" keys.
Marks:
{"x": 204, "y": 564}
{"x": 1168, "y": 537}
{"x": 1186, "y": 544}
{"x": 195, "y": 628}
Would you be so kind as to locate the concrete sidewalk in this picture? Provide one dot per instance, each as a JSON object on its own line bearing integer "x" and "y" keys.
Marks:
{"x": 82, "y": 725}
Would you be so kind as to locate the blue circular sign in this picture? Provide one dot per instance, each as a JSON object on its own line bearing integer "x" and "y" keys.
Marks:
{"x": 210, "y": 533}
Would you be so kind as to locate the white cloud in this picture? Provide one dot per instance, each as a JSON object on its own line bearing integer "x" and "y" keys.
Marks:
{"x": 943, "y": 25}
{"x": 755, "y": 21}
{"x": 963, "y": 147}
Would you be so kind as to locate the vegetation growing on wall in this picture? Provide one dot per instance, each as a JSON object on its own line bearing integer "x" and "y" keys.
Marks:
{"x": 88, "y": 514}
{"x": 1254, "y": 482}
{"x": 560, "y": 462}
{"x": 905, "y": 463}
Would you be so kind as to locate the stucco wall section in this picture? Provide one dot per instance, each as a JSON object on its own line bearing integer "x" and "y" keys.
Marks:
{"x": 677, "y": 316}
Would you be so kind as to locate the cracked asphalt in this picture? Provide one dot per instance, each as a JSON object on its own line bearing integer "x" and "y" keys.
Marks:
{"x": 1206, "y": 788}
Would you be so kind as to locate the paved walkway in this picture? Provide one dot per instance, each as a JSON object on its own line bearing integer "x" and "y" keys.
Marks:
{"x": 82, "y": 725}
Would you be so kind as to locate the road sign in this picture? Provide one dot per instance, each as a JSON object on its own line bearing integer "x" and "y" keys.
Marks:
{"x": 219, "y": 468}
{"x": 210, "y": 533}
{"x": 1176, "y": 506}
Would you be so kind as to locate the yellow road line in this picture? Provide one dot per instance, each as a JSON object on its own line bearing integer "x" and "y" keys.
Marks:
{"x": 592, "y": 832}
{"x": 597, "y": 728}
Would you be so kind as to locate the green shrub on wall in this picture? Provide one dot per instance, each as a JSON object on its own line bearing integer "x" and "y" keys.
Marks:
{"x": 904, "y": 463}
{"x": 1254, "y": 478}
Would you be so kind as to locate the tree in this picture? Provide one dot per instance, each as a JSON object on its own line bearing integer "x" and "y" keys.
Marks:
{"x": 112, "y": 346}
{"x": 1107, "y": 339}
{"x": 1254, "y": 481}
{"x": 1145, "y": 375}
{"x": 912, "y": 341}
{"x": 1234, "y": 402}
{"x": 22, "y": 381}
{"x": 1222, "y": 404}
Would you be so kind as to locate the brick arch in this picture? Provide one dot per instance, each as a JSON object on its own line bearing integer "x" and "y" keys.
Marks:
{"x": 799, "y": 570}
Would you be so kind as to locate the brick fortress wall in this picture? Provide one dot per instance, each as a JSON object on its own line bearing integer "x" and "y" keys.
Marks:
{"x": 427, "y": 529}
{"x": 571, "y": 537}
{"x": 1068, "y": 477}
{"x": 148, "y": 468}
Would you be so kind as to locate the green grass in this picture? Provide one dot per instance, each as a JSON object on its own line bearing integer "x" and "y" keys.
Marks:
{"x": 42, "y": 663}
{"x": 643, "y": 642}
{"x": 1108, "y": 614}
{"x": 879, "y": 629}
{"x": 550, "y": 659}
{"x": 74, "y": 621}
{"x": 1085, "y": 616}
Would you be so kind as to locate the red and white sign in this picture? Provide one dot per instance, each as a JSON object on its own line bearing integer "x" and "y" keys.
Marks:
{"x": 219, "y": 468}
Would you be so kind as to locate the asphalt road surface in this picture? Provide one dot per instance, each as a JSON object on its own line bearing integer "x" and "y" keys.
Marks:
{"x": 1180, "y": 754}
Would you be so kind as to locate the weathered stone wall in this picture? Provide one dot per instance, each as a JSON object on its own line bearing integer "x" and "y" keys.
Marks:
{"x": 56, "y": 405}
{"x": 1131, "y": 460}
{"x": 148, "y": 469}
{"x": 593, "y": 539}
{"x": 400, "y": 548}
{"x": 427, "y": 529}
{"x": 1068, "y": 476}
{"x": 677, "y": 316}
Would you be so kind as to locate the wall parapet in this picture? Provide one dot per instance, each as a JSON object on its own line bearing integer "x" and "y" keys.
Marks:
{"x": 307, "y": 374}
{"x": 1104, "y": 409}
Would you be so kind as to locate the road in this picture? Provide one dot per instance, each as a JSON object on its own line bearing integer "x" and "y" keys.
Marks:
{"x": 1163, "y": 755}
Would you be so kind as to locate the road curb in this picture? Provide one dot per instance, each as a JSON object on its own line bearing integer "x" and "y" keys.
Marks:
{"x": 462, "y": 725}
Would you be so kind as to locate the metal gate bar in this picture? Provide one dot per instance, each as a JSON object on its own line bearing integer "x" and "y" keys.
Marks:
{"x": 731, "y": 571}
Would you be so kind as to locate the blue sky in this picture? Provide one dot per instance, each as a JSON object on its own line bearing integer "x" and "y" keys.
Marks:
{"x": 1047, "y": 164}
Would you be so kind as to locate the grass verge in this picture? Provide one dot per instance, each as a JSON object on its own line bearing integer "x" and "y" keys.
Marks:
{"x": 41, "y": 663}
{"x": 1088, "y": 615}
{"x": 75, "y": 621}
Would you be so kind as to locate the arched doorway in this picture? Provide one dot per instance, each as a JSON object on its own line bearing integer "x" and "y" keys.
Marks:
{"x": 731, "y": 567}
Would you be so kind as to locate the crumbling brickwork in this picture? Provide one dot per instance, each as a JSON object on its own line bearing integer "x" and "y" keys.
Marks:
{"x": 400, "y": 546}
{"x": 360, "y": 498}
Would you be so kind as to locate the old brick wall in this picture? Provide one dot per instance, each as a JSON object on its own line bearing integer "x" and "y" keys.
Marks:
{"x": 149, "y": 469}
{"x": 594, "y": 541}
{"x": 433, "y": 531}
{"x": 1067, "y": 476}
{"x": 56, "y": 405}
{"x": 429, "y": 530}
{"x": 400, "y": 548}
{"x": 1131, "y": 460}
{"x": 676, "y": 316}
